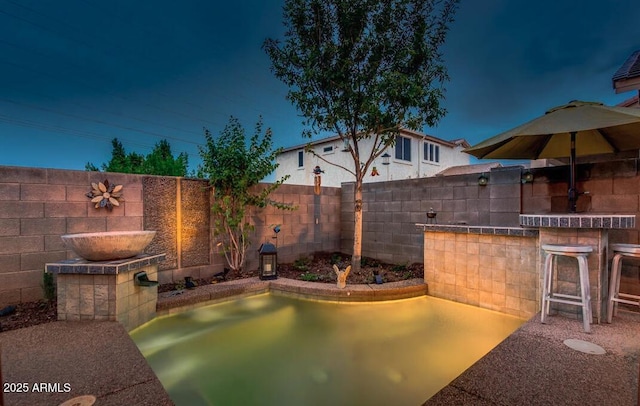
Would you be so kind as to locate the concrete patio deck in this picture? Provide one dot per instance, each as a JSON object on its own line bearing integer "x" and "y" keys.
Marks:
{"x": 531, "y": 367}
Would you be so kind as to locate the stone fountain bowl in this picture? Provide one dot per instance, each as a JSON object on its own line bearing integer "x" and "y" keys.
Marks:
{"x": 109, "y": 245}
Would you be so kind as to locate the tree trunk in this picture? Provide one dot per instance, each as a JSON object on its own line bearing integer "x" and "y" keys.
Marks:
{"x": 357, "y": 229}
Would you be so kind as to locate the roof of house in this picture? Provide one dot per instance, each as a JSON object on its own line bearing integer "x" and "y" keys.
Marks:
{"x": 629, "y": 102}
{"x": 630, "y": 68}
{"x": 453, "y": 143}
{"x": 627, "y": 77}
{"x": 467, "y": 169}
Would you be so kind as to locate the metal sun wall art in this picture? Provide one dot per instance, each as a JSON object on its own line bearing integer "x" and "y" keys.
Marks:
{"x": 104, "y": 194}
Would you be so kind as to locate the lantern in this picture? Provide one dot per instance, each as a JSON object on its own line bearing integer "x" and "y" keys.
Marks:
{"x": 385, "y": 158}
{"x": 268, "y": 266}
{"x": 483, "y": 180}
{"x": 526, "y": 177}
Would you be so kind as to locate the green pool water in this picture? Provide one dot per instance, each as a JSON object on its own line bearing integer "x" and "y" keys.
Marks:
{"x": 272, "y": 350}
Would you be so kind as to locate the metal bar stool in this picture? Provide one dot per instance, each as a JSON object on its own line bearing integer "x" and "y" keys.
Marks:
{"x": 620, "y": 251}
{"x": 580, "y": 253}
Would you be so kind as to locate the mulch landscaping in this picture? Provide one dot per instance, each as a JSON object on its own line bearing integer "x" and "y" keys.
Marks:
{"x": 315, "y": 268}
{"x": 29, "y": 314}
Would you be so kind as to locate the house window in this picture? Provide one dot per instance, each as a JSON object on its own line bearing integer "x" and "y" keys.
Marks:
{"x": 327, "y": 150}
{"x": 431, "y": 152}
{"x": 300, "y": 159}
{"x": 403, "y": 148}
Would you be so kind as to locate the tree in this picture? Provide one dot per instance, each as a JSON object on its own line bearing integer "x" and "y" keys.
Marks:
{"x": 363, "y": 69}
{"x": 162, "y": 162}
{"x": 159, "y": 162}
{"x": 234, "y": 168}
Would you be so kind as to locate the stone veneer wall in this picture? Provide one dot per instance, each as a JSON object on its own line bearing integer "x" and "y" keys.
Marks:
{"x": 191, "y": 249}
{"x": 492, "y": 270}
{"x": 38, "y": 205}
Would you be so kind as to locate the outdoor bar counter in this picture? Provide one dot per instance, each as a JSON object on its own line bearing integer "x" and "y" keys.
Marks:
{"x": 500, "y": 268}
{"x": 581, "y": 228}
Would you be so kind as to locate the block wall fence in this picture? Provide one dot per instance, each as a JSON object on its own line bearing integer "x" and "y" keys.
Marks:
{"x": 391, "y": 209}
{"x": 37, "y": 206}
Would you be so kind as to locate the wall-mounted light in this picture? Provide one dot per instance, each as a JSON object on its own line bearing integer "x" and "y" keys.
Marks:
{"x": 345, "y": 145}
{"x": 483, "y": 180}
{"x": 431, "y": 215}
{"x": 385, "y": 158}
{"x": 526, "y": 177}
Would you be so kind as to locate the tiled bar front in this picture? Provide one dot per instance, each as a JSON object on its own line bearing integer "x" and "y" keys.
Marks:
{"x": 489, "y": 267}
{"x": 106, "y": 290}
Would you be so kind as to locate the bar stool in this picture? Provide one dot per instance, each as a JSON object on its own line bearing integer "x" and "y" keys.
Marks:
{"x": 620, "y": 251}
{"x": 580, "y": 253}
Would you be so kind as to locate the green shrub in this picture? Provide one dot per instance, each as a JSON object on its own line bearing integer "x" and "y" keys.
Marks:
{"x": 309, "y": 277}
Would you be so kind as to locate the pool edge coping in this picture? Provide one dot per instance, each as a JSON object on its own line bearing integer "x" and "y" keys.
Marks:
{"x": 171, "y": 303}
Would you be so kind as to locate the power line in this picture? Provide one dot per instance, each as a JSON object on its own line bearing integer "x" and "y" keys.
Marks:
{"x": 96, "y": 121}
{"x": 117, "y": 46}
{"x": 66, "y": 131}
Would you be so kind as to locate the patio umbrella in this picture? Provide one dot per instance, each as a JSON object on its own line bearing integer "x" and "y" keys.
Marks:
{"x": 575, "y": 129}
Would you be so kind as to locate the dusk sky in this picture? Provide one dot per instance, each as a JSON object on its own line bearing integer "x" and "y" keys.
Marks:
{"x": 76, "y": 74}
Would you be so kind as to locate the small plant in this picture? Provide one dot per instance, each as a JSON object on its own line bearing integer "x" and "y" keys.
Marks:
{"x": 301, "y": 264}
{"x": 399, "y": 268}
{"x": 48, "y": 286}
{"x": 309, "y": 277}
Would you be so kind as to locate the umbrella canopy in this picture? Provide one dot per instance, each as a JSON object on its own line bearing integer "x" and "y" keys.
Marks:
{"x": 599, "y": 129}
{"x": 575, "y": 129}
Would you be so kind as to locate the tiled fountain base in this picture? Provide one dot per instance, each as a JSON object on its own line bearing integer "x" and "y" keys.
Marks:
{"x": 106, "y": 290}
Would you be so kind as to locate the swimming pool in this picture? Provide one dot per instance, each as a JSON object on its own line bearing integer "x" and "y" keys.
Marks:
{"x": 273, "y": 350}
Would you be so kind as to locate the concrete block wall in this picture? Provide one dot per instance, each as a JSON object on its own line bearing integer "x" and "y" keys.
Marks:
{"x": 37, "y": 206}
{"x": 391, "y": 210}
{"x": 313, "y": 227}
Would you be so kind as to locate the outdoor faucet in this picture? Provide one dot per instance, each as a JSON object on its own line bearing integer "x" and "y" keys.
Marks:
{"x": 573, "y": 198}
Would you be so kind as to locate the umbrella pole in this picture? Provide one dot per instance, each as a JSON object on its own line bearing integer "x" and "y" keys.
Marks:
{"x": 573, "y": 194}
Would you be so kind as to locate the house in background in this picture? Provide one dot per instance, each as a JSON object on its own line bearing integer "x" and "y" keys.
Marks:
{"x": 414, "y": 155}
{"x": 627, "y": 77}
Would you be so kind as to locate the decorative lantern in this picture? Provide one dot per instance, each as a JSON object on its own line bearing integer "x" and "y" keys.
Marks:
{"x": 317, "y": 179}
{"x": 385, "y": 158}
{"x": 268, "y": 266}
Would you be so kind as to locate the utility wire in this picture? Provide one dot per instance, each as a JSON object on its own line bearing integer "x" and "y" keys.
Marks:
{"x": 118, "y": 47}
